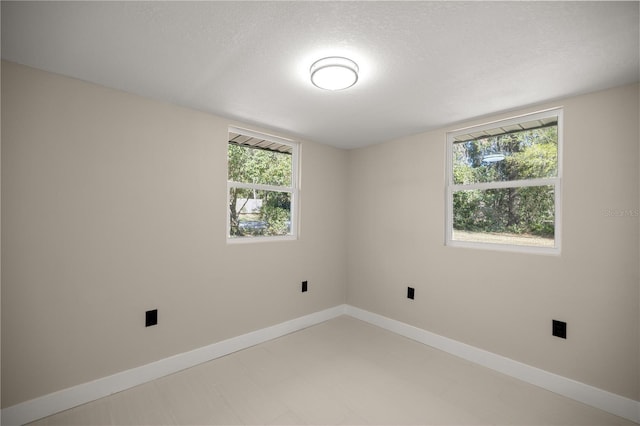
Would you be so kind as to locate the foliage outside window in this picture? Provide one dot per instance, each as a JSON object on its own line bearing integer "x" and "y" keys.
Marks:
{"x": 503, "y": 187}
{"x": 262, "y": 189}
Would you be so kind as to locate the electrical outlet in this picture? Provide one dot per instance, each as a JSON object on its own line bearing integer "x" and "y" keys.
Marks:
{"x": 411, "y": 292}
{"x": 559, "y": 329}
{"x": 304, "y": 286}
{"x": 151, "y": 318}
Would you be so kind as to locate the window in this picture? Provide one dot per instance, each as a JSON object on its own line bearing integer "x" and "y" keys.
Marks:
{"x": 262, "y": 186}
{"x": 503, "y": 184}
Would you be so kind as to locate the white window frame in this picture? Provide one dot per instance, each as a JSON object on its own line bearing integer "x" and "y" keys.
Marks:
{"x": 293, "y": 189}
{"x": 556, "y": 182}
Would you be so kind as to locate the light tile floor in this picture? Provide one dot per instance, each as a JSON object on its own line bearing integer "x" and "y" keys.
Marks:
{"x": 343, "y": 371}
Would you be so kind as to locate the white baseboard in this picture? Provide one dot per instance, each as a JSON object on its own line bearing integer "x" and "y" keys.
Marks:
{"x": 56, "y": 402}
{"x": 65, "y": 399}
{"x": 606, "y": 401}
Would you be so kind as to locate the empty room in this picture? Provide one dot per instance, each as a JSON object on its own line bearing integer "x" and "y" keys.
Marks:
{"x": 360, "y": 213}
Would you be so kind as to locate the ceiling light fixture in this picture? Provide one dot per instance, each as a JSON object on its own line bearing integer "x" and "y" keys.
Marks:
{"x": 493, "y": 158}
{"x": 334, "y": 73}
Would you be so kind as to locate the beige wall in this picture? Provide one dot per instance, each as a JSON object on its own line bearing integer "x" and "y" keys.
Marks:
{"x": 112, "y": 205}
{"x": 504, "y": 302}
{"x": 0, "y": 252}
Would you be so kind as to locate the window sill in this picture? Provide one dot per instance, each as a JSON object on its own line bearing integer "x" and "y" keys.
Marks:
{"x": 553, "y": 251}
{"x": 251, "y": 240}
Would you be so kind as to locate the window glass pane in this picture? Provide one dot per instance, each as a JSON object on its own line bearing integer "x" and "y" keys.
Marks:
{"x": 259, "y": 213}
{"x": 258, "y": 166}
{"x": 520, "y": 155}
{"x": 519, "y": 216}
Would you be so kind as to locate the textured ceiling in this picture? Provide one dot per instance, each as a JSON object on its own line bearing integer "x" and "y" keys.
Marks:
{"x": 423, "y": 64}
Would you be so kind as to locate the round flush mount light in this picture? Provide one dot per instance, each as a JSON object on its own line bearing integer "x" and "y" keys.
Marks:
{"x": 493, "y": 158}
{"x": 334, "y": 73}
